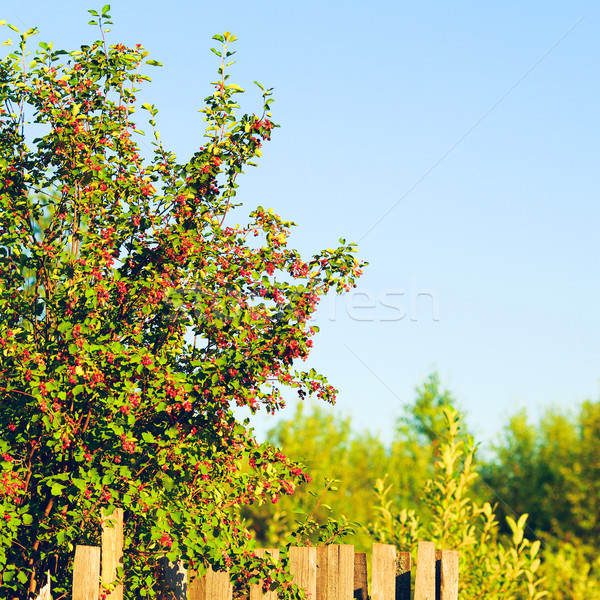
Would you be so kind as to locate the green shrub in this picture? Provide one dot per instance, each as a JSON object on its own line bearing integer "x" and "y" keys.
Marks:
{"x": 490, "y": 567}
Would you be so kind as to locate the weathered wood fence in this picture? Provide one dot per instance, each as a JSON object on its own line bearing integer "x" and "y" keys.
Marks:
{"x": 325, "y": 572}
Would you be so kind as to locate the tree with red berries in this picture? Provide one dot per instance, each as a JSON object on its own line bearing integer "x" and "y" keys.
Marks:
{"x": 134, "y": 318}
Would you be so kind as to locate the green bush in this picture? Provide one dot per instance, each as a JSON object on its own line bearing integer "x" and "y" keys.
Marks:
{"x": 491, "y": 567}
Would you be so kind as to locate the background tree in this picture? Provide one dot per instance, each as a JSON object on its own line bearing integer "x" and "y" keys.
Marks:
{"x": 343, "y": 466}
{"x": 427, "y": 484}
{"x": 133, "y": 317}
{"x": 552, "y": 470}
{"x": 333, "y": 451}
{"x": 424, "y": 419}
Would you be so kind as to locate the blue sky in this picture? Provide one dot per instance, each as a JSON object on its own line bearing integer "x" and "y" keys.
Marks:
{"x": 457, "y": 143}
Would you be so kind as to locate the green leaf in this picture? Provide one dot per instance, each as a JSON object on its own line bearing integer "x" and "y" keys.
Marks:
{"x": 153, "y": 63}
{"x": 57, "y": 489}
{"x": 148, "y": 437}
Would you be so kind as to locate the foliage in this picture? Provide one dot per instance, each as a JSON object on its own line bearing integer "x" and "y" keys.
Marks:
{"x": 332, "y": 450}
{"x": 571, "y": 570}
{"x": 332, "y": 453}
{"x": 310, "y": 530}
{"x": 546, "y": 470}
{"x": 133, "y": 317}
{"x": 490, "y": 568}
{"x": 553, "y": 471}
{"x": 416, "y": 445}
{"x": 424, "y": 420}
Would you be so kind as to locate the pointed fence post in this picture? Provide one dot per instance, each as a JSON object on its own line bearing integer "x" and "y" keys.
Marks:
{"x": 112, "y": 551}
{"x": 46, "y": 592}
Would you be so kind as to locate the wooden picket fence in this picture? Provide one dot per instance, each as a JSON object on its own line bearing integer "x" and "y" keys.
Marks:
{"x": 325, "y": 572}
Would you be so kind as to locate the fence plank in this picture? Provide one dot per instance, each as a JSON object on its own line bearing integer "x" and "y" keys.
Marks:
{"x": 345, "y": 572}
{"x": 449, "y": 575}
{"x": 335, "y": 572}
{"x": 325, "y": 573}
{"x": 361, "y": 578}
{"x": 196, "y": 586}
{"x": 327, "y": 568}
{"x": 383, "y": 571}
{"x": 86, "y": 573}
{"x": 425, "y": 576}
{"x": 112, "y": 551}
{"x": 175, "y": 578}
{"x": 215, "y": 585}
{"x": 256, "y": 592}
{"x": 46, "y": 592}
{"x": 218, "y": 585}
{"x": 303, "y": 565}
{"x": 403, "y": 581}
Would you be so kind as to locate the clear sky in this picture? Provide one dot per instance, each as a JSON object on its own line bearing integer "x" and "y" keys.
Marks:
{"x": 457, "y": 142}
